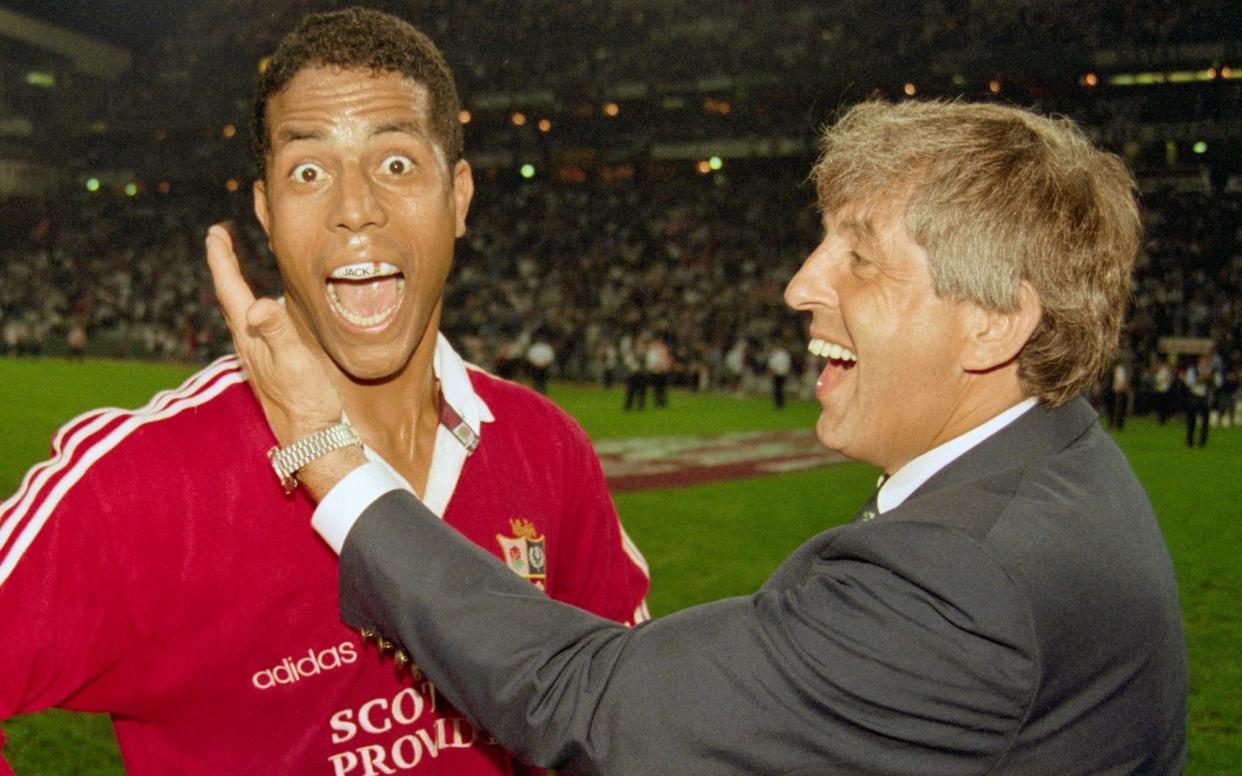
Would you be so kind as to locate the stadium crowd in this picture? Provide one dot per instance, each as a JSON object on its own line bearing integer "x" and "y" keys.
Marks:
{"x": 604, "y": 271}
{"x": 597, "y": 271}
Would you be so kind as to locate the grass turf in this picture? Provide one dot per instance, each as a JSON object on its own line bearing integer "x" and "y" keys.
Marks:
{"x": 716, "y": 540}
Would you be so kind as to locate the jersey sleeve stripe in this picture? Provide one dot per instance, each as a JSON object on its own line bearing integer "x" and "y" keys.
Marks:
{"x": 641, "y": 614}
{"x": 37, "y": 477}
{"x": 220, "y": 366}
{"x": 95, "y": 422}
{"x": 74, "y": 461}
{"x": 631, "y": 549}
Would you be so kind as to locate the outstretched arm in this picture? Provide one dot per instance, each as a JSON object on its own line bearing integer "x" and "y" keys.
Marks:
{"x": 843, "y": 665}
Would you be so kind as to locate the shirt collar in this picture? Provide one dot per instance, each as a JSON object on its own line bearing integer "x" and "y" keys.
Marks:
{"x": 896, "y": 489}
{"x": 456, "y": 388}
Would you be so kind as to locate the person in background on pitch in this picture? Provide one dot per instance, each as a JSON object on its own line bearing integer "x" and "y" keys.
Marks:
{"x": 1200, "y": 392}
{"x": 634, "y": 362}
{"x": 1004, "y": 604}
{"x": 778, "y": 365}
{"x": 539, "y": 359}
{"x": 148, "y": 571}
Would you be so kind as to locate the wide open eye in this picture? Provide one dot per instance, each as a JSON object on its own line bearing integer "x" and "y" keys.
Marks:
{"x": 396, "y": 164}
{"x": 307, "y": 172}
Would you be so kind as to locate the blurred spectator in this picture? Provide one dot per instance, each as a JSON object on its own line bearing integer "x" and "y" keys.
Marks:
{"x": 779, "y": 365}
{"x": 1120, "y": 394}
{"x": 1200, "y": 390}
{"x": 539, "y": 357}
{"x": 634, "y": 360}
{"x": 659, "y": 365}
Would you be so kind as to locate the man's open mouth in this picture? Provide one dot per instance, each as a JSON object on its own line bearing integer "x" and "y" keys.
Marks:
{"x": 365, "y": 294}
{"x": 838, "y": 361}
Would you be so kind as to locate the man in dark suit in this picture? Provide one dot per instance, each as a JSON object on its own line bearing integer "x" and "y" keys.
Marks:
{"x": 1004, "y": 604}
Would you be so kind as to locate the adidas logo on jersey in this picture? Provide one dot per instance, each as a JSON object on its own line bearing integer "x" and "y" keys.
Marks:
{"x": 290, "y": 670}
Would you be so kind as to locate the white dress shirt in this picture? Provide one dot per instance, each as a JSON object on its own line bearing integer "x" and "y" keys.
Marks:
{"x": 898, "y": 487}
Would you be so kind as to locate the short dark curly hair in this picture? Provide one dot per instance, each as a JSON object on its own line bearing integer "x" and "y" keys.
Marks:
{"x": 364, "y": 39}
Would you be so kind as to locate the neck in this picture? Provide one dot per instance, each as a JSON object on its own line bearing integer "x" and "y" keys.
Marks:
{"x": 397, "y": 416}
{"x": 984, "y": 397}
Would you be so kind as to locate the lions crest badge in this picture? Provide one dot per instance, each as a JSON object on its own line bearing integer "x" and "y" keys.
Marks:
{"x": 525, "y": 551}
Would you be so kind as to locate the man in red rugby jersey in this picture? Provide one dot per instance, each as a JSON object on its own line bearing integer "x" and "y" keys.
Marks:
{"x": 146, "y": 569}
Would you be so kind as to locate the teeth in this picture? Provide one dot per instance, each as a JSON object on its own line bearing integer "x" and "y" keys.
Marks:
{"x": 831, "y": 350}
{"x": 364, "y": 270}
{"x": 369, "y": 320}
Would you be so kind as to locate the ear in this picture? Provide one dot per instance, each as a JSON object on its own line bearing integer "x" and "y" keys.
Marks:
{"x": 260, "y": 205}
{"x": 463, "y": 192}
{"x": 995, "y": 337}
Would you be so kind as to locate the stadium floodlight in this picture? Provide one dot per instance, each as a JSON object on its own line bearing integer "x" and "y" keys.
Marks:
{"x": 41, "y": 79}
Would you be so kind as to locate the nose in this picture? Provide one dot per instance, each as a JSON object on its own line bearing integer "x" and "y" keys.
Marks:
{"x": 357, "y": 206}
{"x": 813, "y": 283}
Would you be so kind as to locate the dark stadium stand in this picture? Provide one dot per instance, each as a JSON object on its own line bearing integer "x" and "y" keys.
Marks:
{"x": 624, "y": 226}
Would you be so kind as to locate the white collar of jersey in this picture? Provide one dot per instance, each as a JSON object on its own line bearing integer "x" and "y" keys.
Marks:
{"x": 897, "y": 488}
{"x": 451, "y": 447}
{"x": 456, "y": 388}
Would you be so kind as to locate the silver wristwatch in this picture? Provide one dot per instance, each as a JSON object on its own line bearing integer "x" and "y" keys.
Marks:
{"x": 288, "y": 461}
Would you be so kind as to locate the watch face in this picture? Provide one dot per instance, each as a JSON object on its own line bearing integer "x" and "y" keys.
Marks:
{"x": 286, "y": 479}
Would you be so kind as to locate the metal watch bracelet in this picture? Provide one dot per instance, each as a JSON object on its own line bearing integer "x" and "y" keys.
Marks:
{"x": 288, "y": 461}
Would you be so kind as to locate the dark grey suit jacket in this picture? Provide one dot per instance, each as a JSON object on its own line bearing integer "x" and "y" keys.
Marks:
{"x": 1017, "y": 614}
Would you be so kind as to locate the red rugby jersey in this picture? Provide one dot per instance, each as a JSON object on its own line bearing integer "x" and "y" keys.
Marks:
{"x": 153, "y": 569}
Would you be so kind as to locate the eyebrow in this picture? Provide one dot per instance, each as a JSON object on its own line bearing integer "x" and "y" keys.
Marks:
{"x": 405, "y": 127}
{"x": 860, "y": 227}
{"x": 286, "y": 135}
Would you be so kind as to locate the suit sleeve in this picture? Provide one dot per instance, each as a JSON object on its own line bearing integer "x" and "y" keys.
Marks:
{"x": 857, "y": 668}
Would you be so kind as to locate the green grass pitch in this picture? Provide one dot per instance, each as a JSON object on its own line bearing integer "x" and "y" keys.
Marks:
{"x": 711, "y": 541}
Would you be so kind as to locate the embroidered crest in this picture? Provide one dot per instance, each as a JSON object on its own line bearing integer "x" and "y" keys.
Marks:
{"x": 525, "y": 551}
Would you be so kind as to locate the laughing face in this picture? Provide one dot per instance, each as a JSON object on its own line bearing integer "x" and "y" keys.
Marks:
{"x": 893, "y": 384}
{"x": 362, "y": 211}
